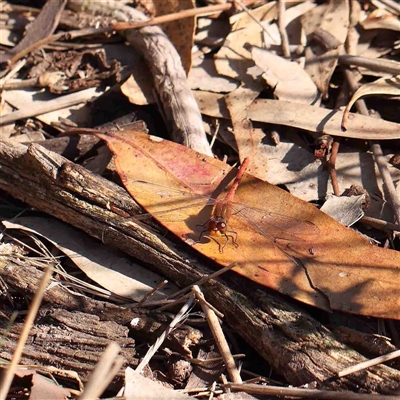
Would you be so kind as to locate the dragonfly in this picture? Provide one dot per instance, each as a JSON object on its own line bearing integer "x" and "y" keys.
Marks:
{"x": 277, "y": 228}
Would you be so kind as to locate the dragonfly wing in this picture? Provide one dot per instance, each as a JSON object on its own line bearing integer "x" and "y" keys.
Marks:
{"x": 166, "y": 200}
{"x": 277, "y": 226}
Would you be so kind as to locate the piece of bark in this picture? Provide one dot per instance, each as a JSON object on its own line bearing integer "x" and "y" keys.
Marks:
{"x": 68, "y": 340}
{"x": 24, "y": 279}
{"x": 75, "y": 147}
{"x": 70, "y": 147}
{"x": 296, "y": 345}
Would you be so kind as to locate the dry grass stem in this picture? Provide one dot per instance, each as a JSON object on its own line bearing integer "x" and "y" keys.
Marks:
{"x": 297, "y": 393}
{"x": 30, "y": 318}
{"x": 104, "y": 372}
{"x": 182, "y": 314}
{"x": 369, "y": 363}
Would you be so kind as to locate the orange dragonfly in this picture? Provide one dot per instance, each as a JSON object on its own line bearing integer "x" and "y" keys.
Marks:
{"x": 275, "y": 227}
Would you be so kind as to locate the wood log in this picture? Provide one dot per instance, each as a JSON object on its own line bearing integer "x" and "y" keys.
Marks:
{"x": 72, "y": 331}
{"x": 297, "y": 346}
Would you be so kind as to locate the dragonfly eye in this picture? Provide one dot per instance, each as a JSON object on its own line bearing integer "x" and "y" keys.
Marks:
{"x": 221, "y": 227}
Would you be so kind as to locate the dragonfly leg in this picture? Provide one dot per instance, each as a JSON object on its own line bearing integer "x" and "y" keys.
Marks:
{"x": 202, "y": 233}
{"x": 228, "y": 234}
{"x": 233, "y": 236}
{"x": 203, "y": 225}
{"x": 205, "y": 231}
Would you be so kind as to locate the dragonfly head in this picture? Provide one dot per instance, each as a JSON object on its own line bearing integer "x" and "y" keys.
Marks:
{"x": 217, "y": 226}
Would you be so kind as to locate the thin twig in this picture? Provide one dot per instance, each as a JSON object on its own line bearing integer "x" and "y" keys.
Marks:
{"x": 151, "y": 293}
{"x": 219, "y": 337}
{"x": 394, "y": 5}
{"x": 200, "y": 11}
{"x": 120, "y": 26}
{"x": 203, "y": 280}
{"x": 52, "y": 105}
{"x": 380, "y": 224}
{"x": 249, "y": 13}
{"x": 379, "y": 65}
{"x": 377, "y": 152}
{"x": 332, "y": 166}
{"x": 11, "y": 73}
{"x": 369, "y": 363}
{"x": 282, "y": 29}
{"x": 293, "y": 392}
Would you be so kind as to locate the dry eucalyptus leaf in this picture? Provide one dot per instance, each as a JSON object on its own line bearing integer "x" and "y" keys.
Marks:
{"x": 234, "y": 58}
{"x": 205, "y": 77}
{"x": 137, "y": 386}
{"x": 211, "y": 32}
{"x": 272, "y": 37}
{"x": 139, "y": 89}
{"x": 381, "y": 19}
{"x": 212, "y": 104}
{"x": 24, "y": 99}
{"x": 341, "y": 270}
{"x": 383, "y": 86}
{"x": 248, "y": 139}
{"x": 288, "y": 79}
{"x": 320, "y": 120}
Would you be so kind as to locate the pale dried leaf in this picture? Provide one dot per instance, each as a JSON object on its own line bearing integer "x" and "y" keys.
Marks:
{"x": 212, "y": 104}
{"x": 383, "y": 86}
{"x": 248, "y": 139}
{"x": 346, "y": 210}
{"x": 288, "y": 79}
{"x": 381, "y": 19}
{"x": 322, "y": 120}
{"x": 234, "y": 58}
{"x": 204, "y": 76}
{"x": 321, "y": 61}
{"x": 24, "y": 99}
{"x": 293, "y": 26}
{"x": 139, "y": 90}
{"x": 136, "y": 383}
{"x": 180, "y": 32}
{"x": 110, "y": 270}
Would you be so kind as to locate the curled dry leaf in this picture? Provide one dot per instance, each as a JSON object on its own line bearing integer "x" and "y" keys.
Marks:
{"x": 329, "y": 266}
{"x": 381, "y": 19}
{"x": 383, "y": 86}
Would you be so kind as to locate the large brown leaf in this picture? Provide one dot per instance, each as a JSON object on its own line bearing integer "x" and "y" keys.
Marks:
{"x": 317, "y": 260}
